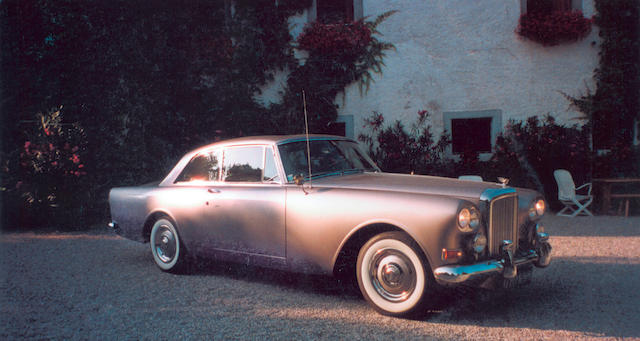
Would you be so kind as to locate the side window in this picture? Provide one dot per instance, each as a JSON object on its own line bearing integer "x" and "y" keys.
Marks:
{"x": 203, "y": 167}
{"x": 243, "y": 164}
{"x": 270, "y": 170}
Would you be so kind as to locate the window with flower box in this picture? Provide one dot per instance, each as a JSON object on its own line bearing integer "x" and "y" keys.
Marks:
{"x": 549, "y": 6}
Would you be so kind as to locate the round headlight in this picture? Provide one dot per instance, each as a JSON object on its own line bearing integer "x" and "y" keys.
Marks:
{"x": 468, "y": 219}
{"x": 537, "y": 209}
{"x": 540, "y": 207}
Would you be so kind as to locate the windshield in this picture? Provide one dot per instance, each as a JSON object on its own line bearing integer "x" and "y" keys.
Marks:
{"x": 328, "y": 157}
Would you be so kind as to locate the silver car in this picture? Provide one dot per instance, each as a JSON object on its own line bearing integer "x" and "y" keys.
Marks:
{"x": 261, "y": 201}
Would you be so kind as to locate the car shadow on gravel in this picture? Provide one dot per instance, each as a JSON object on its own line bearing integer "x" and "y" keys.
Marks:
{"x": 316, "y": 284}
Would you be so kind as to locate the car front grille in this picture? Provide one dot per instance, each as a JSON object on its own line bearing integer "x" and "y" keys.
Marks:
{"x": 503, "y": 211}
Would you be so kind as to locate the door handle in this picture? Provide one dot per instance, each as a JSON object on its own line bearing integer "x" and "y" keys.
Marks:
{"x": 213, "y": 190}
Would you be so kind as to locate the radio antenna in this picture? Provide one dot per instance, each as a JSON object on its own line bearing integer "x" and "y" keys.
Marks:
{"x": 306, "y": 128}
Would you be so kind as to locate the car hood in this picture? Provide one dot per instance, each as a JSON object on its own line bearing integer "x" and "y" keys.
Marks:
{"x": 422, "y": 184}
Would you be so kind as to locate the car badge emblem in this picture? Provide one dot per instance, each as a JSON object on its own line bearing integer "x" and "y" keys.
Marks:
{"x": 503, "y": 181}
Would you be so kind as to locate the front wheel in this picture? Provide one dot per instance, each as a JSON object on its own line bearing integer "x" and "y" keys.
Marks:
{"x": 391, "y": 274}
{"x": 166, "y": 246}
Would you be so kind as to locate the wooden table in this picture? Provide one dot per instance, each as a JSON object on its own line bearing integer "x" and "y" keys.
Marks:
{"x": 605, "y": 184}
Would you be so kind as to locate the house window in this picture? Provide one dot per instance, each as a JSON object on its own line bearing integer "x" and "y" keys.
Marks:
{"x": 343, "y": 126}
{"x": 471, "y": 135}
{"x": 331, "y": 11}
{"x": 548, "y": 6}
{"x": 334, "y": 11}
{"x": 473, "y": 131}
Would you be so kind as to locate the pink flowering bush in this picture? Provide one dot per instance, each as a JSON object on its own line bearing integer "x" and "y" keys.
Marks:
{"x": 48, "y": 176}
{"x": 554, "y": 28}
{"x": 347, "y": 39}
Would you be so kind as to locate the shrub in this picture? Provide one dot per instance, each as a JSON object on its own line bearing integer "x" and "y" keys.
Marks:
{"x": 536, "y": 148}
{"x": 398, "y": 151}
{"x": 45, "y": 182}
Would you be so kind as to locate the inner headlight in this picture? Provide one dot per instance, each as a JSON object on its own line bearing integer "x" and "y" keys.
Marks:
{"x": 537, "y": 209}
{"x": 468, "y": 219}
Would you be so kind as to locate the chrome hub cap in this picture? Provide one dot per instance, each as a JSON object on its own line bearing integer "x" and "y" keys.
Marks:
{"x": 165, "y": 244}
{"x": 392, "y": 275}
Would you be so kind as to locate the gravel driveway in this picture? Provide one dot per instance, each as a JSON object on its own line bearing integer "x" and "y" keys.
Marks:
{"x": 98, "y": 286}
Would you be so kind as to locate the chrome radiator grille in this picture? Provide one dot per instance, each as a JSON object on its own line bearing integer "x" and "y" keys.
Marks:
{"x": 503, "y": 216}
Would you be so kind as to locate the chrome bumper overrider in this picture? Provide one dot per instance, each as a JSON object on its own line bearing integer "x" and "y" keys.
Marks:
{"x": 115, "y": 227}
{"x": 507, "y": 266}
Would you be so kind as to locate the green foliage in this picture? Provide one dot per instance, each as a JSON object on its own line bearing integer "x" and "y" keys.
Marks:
{"x": 527, "y": 152}
{"x": 149, "y": 81}
{"x": 397, "y": 150}
{"x": 616, "y": 101}
{"x": 540, "y": 147}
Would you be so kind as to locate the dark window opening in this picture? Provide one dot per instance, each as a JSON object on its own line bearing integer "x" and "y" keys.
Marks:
{"x": 337, "y": 128}
{"x": 548, "y": 6}
{"x": 334, "y": 11}
{"x": 471, "y": 135}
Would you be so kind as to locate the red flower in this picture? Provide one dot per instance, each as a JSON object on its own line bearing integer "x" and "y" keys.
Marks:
{"x": 27, "y": 145}
{"x": 47, "y": 132}
{"x": 75, "y": 158}
{"x": 554, "y": 28}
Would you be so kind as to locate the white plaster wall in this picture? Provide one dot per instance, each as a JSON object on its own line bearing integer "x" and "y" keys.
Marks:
{"x": 464, "y": 55}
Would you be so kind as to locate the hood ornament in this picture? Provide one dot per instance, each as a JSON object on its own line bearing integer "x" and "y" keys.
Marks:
{"x": 503, "y": 181}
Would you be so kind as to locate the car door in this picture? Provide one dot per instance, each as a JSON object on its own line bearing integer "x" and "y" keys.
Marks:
{"x": 245, "y": 212}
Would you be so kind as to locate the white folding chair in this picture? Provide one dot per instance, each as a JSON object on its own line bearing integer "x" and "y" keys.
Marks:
{"x": 470, "y": 177}
{"x": 574, "y": 204}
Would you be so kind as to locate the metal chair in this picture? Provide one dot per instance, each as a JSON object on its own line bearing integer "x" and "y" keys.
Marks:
{"x": 574, "y": 204}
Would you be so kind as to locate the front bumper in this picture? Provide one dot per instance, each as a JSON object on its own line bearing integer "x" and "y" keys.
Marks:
{"x": 507, "y": 266}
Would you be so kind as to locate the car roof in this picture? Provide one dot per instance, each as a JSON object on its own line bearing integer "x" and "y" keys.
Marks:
{"x": 269, "y": 139}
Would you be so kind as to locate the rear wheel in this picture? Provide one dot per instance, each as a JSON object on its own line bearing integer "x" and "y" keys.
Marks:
{"x": 391, "y": 274}
{"x": 166, "y": 246}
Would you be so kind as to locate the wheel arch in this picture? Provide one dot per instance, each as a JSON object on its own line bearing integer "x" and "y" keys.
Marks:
{"x": 151, "y": 219}
{"x": 344, "y": 263}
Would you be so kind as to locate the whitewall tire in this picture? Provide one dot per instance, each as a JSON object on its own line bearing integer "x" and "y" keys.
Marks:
{"x": 391, "y": 274}
{"x": 166, "y": 246}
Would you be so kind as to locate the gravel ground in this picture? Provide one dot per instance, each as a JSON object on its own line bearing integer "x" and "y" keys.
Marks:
{"x": 96, "y": 285}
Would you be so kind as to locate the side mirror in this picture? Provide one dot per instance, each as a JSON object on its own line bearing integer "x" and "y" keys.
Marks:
{"x": 298, "y": 179}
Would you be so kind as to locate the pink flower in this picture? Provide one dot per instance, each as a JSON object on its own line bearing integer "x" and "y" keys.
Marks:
{"x": 27, "y": 144}
{"x": 75, "y": 158}
{"x": 54, "y": 163}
